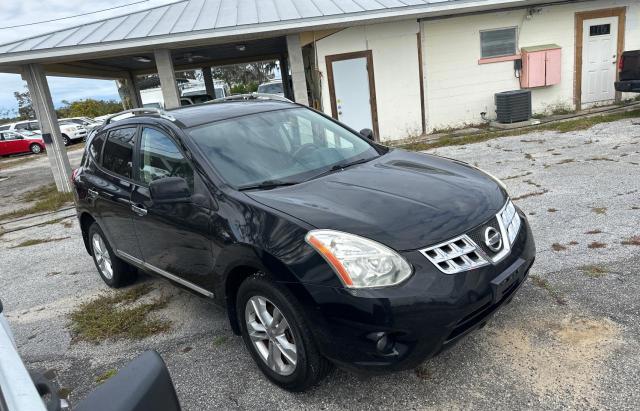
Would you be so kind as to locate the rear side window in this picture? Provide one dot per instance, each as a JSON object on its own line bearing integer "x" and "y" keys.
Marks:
{"x": 22, "y": 126}
{"x": 4, "y": 127}
{"x": 95, "y": 148}
{"x": 118, "y": 151}
{"x": 161, "y": 158}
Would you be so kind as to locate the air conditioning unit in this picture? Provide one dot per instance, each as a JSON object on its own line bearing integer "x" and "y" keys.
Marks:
{"x": 513, "y": 106}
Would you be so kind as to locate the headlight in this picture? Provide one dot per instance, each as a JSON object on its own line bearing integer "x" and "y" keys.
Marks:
{"x": 358, "y": 261}
{"x": 72, "y": 128}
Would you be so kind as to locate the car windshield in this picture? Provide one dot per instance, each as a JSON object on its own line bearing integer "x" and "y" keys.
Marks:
{"x": 278, "y": 147}
{"x": 273, "y": 88}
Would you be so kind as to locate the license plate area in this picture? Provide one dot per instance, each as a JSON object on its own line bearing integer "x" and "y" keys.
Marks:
{"x": 503, "y": 284}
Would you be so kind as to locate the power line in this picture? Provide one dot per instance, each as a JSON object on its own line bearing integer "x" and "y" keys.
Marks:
{"x": 74, "y": 16}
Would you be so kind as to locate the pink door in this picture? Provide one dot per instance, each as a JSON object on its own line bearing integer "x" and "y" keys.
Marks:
{"x": 536, "y": 68}
{"x": 553, "y": 65}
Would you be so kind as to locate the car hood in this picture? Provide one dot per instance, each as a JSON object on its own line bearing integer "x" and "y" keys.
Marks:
{"x": 402, "y": 199}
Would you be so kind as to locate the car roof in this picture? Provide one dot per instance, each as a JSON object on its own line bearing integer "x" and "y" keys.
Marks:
{"x": 199, "y": 114}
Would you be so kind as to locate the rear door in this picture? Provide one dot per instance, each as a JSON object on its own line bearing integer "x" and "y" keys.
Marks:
{"x": 109, "y": 188}
{"x": 175, "y": 239}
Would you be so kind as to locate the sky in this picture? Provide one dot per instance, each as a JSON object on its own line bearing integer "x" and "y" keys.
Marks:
{"x": 14, "y": 12}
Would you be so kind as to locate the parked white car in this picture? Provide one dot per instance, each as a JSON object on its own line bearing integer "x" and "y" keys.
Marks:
{"x": 70, "y": 133}
{"x": 271, "y": 87}
{"x": 85, "y": 122}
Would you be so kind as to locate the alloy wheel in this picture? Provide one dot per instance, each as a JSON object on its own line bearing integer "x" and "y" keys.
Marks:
{"x": 35, "y": 149}
{"x": 271, "y": 335}
{"x": 103, "y": 259}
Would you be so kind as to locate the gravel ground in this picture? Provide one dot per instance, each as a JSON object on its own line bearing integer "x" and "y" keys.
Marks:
{"x": 572, "y": 342}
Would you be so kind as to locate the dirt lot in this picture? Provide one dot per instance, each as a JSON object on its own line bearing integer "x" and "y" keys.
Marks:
{"x": 570, "y": 338}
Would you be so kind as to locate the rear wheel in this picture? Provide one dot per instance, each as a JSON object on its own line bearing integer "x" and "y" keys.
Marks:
{"x": 277, "y": 336}
{"x": 35, "y": 148}
{"x": 114, "y": 272}
{"x": 66, "y": 139}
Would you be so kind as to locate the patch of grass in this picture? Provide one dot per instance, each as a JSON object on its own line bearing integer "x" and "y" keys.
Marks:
{"x": 596, "y": 231}
{"x": 597, "y": 244}
{"x": 552, "y": 210}
{"x": 533, "y": 194}
{"x": 634, "y": 240}
{"x": 14, "y": 163}
{"x": 118, "y": 316}
{"x": 529, "y": 157}
{"x": 544, "y": 284}
{"x": 566, "y": 161}
{"x": 593, "y": 271}
{"x": 635, "y": 208}
{"x": 561, "y": 127}
{"x": 423, "y": 373}
{"x": 558, "y": 247}
{"x": 599, "y": 210}
{"x": 47, "y": 198}
{"x": 106, "y": 375}
{"x": 573, "y": 242}
{"x": 517, "y": 176}
{"x": 36, "y": 241}
{"x": 219, "y": 340}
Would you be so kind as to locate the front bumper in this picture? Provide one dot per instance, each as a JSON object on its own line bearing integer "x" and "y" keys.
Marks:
{"x": 427, "y": 314}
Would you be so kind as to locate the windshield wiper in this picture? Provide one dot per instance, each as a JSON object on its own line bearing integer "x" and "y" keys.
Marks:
{"x": 267, "y": 184}
{"x": 341, "y": 166}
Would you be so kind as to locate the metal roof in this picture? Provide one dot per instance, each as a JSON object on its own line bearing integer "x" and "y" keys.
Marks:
{"x": 188, "y": 20}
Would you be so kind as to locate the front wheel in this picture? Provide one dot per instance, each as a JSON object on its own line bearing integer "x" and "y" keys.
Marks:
{"x": 66, "y": 139}
{"x": 35, "y": 149}
{"x": 277, "y": 336}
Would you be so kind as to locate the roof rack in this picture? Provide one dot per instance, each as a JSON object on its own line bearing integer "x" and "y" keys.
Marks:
{"x": 141, "y": 111}
{"x": 253, "y": 96}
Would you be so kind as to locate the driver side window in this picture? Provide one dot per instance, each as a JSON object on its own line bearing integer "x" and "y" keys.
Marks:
{"x": 161, "y": 158}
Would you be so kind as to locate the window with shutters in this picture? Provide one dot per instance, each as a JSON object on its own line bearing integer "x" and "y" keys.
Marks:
{"x": 499, "y": 42}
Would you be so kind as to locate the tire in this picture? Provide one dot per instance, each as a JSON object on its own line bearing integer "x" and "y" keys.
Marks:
{"x": 309, "y": 366}
{"x": 114, "y": 272}
{"x": 66, "y": 139}
{"x": 35, "y": 149}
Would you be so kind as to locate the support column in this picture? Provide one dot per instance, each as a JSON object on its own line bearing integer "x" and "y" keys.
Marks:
{"x": 167, "y": 75}
{"x": 42, "y": 103}
{"x": 207, "y": 76}
{"x": 134, "y": 91}
{"x": 284, "y": 75}
{"x": 294, "y": 50}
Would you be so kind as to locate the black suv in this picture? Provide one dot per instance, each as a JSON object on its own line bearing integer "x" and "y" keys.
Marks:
{"x": 324, "y": 246}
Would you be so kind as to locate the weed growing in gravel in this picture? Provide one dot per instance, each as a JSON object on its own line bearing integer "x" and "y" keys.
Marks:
{"x": 47, "y": 198}
{"x": 423, "y": 373}
{"x": 36, "y": 241}
{"x": 558, "y": 247}
{"x": 118, "y": 316}
{"x": 599, "y": 210}
{"x": 106, "y": 375}
{"x": 517, "y": 176}
{"x": 593, "y": 271}
{"x": 533, "y": 194}
{"x": 566, "y": 161}
{"x": 552, "y": 210}
{"x": 600, "y": 158}
{"x": 635, "y": 240}
{"x": 219, "y": 340}
{"x": 544, "y": 284}
{"x": 597, "y": 244}
{"x": 596, "y": 231}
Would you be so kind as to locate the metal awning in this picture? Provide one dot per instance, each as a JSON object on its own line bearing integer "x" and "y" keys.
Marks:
{"x": 208, "y": 22}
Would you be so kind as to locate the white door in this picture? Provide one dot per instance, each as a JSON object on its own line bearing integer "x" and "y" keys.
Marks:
{"x": 351, "y": 90}
{"x": 599, "y": 58}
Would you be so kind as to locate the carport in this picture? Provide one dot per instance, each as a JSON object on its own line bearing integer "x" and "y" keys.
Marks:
{"x": 195, "y": 34}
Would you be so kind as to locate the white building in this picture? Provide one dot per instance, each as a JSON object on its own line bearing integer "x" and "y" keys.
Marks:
{"x": 399, "y": 67}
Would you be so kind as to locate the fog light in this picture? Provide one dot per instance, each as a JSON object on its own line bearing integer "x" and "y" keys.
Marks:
{"x": 385, "y": 343}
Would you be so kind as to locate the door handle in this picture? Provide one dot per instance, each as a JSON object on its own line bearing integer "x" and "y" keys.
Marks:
{"x": 139, "y": 210}
{"x": 92, "y": 194}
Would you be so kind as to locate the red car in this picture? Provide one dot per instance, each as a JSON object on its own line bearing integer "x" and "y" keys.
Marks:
{"x": 12, "y": 142}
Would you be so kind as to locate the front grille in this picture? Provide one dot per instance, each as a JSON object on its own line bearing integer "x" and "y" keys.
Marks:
{"x": 477, "y": 235}
{"x": 471, "y": 250}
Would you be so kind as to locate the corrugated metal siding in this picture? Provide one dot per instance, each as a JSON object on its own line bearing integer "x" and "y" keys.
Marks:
{"x": 195, "y": 15}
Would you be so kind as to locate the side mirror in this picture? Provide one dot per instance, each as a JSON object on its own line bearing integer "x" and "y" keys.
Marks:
{"x": 170, "y": 190}
{"x": 367, "y": 133}
{"x": 144, "y": 384}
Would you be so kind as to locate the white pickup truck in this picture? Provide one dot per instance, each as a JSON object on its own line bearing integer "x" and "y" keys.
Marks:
{"x": 70, "y": 133}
